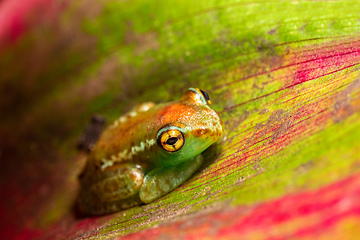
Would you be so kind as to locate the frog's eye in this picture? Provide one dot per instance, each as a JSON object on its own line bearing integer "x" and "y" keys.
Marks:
{"x": 197, "y": 96}
{"x": 206, "y": 96}
{"x": 170, "y": 139}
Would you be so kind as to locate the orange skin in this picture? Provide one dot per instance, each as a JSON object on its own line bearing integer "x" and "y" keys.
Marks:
{"x": 148, "y": 152}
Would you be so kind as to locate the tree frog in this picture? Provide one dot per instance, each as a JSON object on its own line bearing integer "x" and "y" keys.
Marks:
{"x": 148, "y": 152}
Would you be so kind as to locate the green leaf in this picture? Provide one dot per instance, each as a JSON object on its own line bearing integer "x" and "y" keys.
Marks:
{"x": 284, "y": 76}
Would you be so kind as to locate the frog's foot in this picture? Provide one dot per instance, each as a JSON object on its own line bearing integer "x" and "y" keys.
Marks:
{"x": 91, "y": 134}
{"x": 122, "y": 185}
{"x": 160, "y": 181}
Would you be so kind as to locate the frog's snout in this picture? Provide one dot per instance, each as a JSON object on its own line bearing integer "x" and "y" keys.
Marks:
{"x": 211, "y": 129}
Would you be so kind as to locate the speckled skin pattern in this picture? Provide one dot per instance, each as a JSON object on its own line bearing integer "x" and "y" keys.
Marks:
{"x": 129, "y": 166}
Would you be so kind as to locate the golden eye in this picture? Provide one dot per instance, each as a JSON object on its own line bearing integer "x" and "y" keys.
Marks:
{"x": 206, "y": 96}
{"x": 201, "y": 97}
{"x": 171, "y": 140}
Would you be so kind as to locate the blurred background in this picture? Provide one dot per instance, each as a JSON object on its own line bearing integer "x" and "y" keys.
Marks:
{"x": 284, "y": 76}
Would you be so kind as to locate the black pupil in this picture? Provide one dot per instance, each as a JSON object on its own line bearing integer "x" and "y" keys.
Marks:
{"x": 172, "y": 140}
{"x": 205, "y": 94}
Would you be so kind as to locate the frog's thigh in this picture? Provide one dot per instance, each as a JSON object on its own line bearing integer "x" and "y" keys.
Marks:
{"x": 161, "y": 181}
{"x": 120, "y": 186}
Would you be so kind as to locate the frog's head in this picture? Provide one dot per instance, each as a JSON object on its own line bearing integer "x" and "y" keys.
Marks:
{"x": 188, "y": 127}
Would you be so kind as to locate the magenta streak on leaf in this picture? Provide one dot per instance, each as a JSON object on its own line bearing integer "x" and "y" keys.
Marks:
{"x": 333, "y": 202}
{"x": 298, "y": 117}
{"x": 281, "y": 89}
{"x": 295, "y": 118}
{"x": 316, "y": 210}
{"x": 311, "y": 56}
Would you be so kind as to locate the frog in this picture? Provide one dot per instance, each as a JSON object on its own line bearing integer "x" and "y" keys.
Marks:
{"x": 148, "y": 152}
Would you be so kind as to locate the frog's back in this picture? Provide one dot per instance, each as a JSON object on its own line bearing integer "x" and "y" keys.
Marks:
{"x": 129, "y": 139}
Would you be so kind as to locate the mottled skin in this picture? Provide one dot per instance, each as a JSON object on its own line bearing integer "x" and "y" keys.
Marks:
{"x": 129, "y": 166}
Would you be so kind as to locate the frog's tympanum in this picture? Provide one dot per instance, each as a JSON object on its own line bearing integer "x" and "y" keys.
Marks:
{"x": 148, "y": 152}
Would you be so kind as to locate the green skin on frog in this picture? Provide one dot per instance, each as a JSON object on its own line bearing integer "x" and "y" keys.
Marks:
{"x": 148, "y": 152}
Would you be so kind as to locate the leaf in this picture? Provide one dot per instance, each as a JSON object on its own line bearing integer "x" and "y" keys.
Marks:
{"x": 283, "y": 75}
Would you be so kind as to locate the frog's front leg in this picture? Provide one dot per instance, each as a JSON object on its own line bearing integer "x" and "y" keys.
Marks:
{"x": 160, "y": 181}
